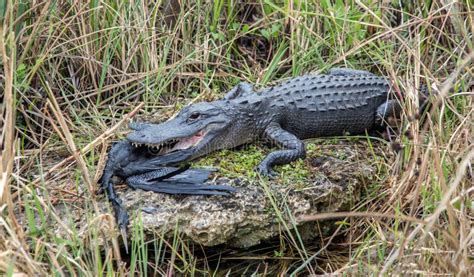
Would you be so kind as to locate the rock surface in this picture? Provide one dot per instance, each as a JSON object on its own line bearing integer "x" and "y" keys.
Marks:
{"x": 261, "y": 209}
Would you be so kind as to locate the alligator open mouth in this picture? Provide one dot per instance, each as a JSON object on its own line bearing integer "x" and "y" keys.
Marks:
{"x": 172, "y": 145}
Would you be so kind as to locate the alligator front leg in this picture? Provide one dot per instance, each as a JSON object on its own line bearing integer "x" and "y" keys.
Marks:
{"x": 294, "y": 149}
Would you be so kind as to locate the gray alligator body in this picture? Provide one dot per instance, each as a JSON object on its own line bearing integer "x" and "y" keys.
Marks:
{"x": 152, "y": 158}
{"x": 314, "y": 106}
{"x": 309, "y": 107}
{"x": 343, "y": 101}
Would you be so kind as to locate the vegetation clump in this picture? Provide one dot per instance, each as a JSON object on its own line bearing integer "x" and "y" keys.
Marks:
{"x": 74, "y": 72}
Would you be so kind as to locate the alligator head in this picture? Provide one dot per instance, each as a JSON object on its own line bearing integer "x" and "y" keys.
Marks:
{"x": 197, "y": 130}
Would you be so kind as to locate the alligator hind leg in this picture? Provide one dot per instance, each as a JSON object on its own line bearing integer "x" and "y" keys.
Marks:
{"x": 391, "y": 108}
{"x": 342, "y": 71}
{"x": 294, "y": 149}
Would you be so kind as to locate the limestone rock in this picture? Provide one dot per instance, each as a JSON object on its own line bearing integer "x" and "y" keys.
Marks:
{"x": 260, "y": 209}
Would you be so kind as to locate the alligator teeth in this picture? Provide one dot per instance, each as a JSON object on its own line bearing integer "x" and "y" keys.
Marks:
{"x": 158, "y": 147}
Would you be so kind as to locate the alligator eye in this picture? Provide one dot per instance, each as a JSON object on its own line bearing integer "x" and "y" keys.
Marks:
{"x": 194, "y": 116}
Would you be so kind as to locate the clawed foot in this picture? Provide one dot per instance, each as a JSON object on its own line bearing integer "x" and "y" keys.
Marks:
{"x": 267, "y": 171}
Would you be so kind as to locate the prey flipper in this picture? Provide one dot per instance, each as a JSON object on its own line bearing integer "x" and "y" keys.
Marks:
{"x": 117, "y": 152}
{"x": 121, "y": 215}
{"x": 185, "y": 188}
{"x": 188, "y": 182}
{"x": 193, "y": 175}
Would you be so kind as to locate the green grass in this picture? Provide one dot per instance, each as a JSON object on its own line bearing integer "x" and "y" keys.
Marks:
{"x": 72, "y": 70}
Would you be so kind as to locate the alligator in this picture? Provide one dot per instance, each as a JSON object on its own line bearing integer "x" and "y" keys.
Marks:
{"x": 344, "y": 101}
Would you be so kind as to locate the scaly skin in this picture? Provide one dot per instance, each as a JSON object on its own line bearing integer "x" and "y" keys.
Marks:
{"x": 343, "y": 101}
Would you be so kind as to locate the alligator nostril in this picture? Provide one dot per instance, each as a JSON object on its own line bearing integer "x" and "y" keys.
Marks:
{"x": 143, "y": 135}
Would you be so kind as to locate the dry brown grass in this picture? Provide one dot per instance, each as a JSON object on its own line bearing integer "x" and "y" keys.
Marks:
{"x": 73, "y": 72}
